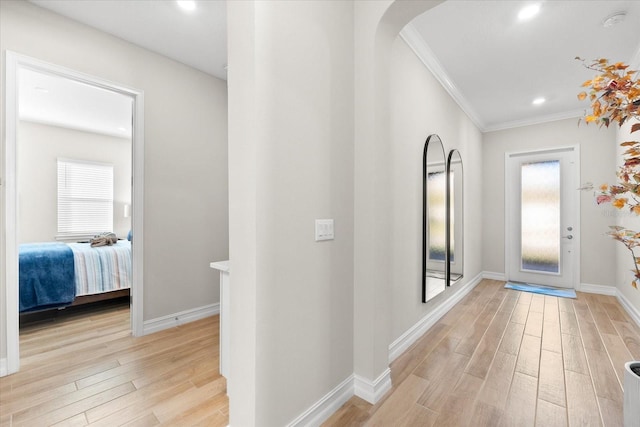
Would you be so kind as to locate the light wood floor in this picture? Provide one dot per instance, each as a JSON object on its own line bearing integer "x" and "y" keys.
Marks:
{"x": 507, "y": 358}
{"x": 88, "y": 370}
{"x": 499, "y": 357}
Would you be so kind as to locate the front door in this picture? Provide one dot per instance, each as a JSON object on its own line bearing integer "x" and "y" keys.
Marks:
{"x": 542, "y": 217}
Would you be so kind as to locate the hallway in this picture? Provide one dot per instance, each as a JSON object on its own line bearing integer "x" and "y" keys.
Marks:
{"x": 504, "y": 357}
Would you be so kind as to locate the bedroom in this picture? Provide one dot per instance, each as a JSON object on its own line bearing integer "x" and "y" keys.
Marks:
{"x": 328, "y": 289}
{"x": 81, "y": 135}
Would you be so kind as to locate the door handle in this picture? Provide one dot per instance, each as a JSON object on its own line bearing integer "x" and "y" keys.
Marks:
{"x": 568, "y": 237}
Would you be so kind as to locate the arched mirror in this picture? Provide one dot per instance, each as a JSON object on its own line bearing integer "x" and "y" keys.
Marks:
{"x": 455, "y": 241}
{"x": 433, "y": 218}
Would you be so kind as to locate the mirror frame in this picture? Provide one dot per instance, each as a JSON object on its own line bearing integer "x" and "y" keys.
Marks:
{"x": 459, "y": 219}
{"x": 433, "y": 138}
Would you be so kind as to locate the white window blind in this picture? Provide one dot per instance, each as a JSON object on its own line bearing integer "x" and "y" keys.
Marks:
{"x": 85, "y": 198}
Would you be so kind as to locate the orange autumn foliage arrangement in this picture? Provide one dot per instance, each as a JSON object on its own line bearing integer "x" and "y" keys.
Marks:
{"x": 614, "y": 94}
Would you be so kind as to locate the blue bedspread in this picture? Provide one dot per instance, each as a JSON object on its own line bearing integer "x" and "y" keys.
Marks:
{"x": 46, "y": 276}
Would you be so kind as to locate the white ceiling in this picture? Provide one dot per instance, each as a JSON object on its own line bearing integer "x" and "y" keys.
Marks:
{"x": 59, "y": 101}
{"x": 491, "y": 63}
{"x": 495, "y": 65}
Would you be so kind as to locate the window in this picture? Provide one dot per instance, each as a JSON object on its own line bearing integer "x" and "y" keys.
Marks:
{"x": 85, "y": 198}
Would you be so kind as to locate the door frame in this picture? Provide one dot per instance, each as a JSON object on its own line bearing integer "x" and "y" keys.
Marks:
{"x": 13, "y": 63}
{"x": 509, "y": 192}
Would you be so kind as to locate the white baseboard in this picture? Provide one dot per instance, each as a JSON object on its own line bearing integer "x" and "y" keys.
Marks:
{"x": 597, "y": 289}
{"x": 372, "y": 391}
{"x": 171, "y": 320}
{"x": 3, "y": 368}
{"x": 406, "y": 340}
{"x": 494, "y": 276}
{"x": 630, "y": 309}
{"x": 326, "y": 406}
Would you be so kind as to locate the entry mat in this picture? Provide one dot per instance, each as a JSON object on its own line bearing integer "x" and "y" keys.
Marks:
{"x": 544, "y": 290}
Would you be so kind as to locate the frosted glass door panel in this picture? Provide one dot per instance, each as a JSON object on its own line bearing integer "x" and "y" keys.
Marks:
{"x": 540, "y": 216}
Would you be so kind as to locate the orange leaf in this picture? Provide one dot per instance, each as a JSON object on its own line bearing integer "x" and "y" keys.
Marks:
{"x": 634, "y": 284}
{"x": 619, "y": 203}
{"x": 590, "y": 119}
{"x": 582, "y": 96}
{"x": 636, "y": 210}
{"x": 635, "y": 127}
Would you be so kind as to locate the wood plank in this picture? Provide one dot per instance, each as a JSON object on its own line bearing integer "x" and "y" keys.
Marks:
{"x": 477, "y": 330}
{"x": 486, "y": 415}
{"x": 496, "y": 386}
{"x": 534, "y": 324}
{"x": 521, "y": 403}
{"x": 573, "y": 354}
{"x": 582, "y": 406}
{"x": 436, "y": 392}
{"x": 537, "y": 304}
{"x": 512, "y": 338}
{"x": 629, "y": 337}
{"x": 551, "y": 336}
{"x": 612, "y": 412}
{"x": 551, "y": 309}
{"x": 550, "y": 415}
{"x": 619, "y": 354}
{"x": 520, "y": 313}
{"x": 147, "y": 420}
{"x": 551, "y": 382}
{"x": 483, "y": 356}
{"x": 400, "y": 402}
{"x": 76, "y": 421}
{"x": 604, "y": 377}
{"x": 529, "y": 356}
{"x": 458, "y": 407}
{"x": 568, "y": 323}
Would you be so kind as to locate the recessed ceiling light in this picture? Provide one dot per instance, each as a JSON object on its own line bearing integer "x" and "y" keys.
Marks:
{"x": 614, "y": 19}
{"x": 528, "y": 12}
{"x": 188, "y": 5}
{"x": 538, "y": 101}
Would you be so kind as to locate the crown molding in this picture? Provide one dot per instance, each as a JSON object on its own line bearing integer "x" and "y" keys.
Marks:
{"x": 414, "y": 40}
{"x": 535, "y": 121}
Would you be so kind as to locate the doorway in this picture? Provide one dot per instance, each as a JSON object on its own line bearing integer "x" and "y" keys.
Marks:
{"x": 542, "y": 202}
{"x": 15, "y": 64}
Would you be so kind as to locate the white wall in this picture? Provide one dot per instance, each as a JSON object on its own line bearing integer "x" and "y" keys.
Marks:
{"x": 598, "y": 258}
{"x": 185, "y": 200}
{"x": 38, "y": 148}
{"x": 420, "y": 107}
{"x": 290, "y": 162}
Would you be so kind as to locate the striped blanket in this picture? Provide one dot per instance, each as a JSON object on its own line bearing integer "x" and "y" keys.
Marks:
{"x": 102, "y": 269}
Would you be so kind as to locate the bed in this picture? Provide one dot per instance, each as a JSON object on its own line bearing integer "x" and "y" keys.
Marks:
{"x": 56, "y": 274}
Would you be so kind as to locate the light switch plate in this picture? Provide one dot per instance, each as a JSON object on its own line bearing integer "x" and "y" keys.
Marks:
{"x": 324, "y": 229}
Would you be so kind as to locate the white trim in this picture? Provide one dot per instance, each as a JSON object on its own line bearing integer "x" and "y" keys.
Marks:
{"x": 414, "y": 40}
{"x": 597, "y": 289}
{"x": 10, "y": 215}
{"x": 3, "y": 367}
{"x": 563, "y": 115}
{"x": 169, "y": 321}
{"x": 13, "y": 62}
{"x": 630, "y": 309}
{"x": 492, "y": 275}
{"x": 372, "y": 391}
{"x": 406, "y": 340}
{"x": 419, "y": 46}
{"x": 327, "y": 406}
